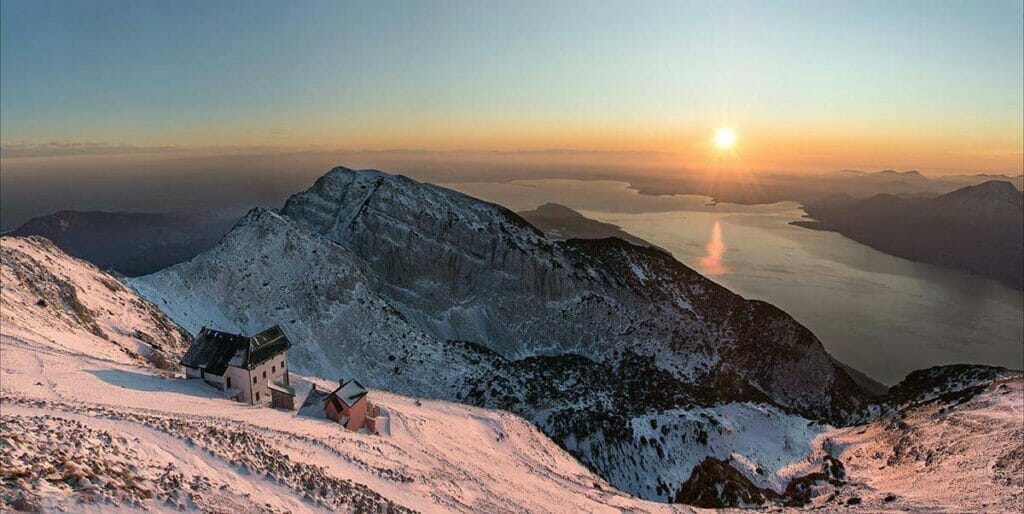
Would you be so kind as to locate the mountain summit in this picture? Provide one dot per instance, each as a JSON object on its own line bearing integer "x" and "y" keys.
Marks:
{"x": 993, "y": 195}
{"x": 623, "y": 355}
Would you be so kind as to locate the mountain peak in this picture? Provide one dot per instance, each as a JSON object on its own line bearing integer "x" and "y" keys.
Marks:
{"x": 369, "y": 174}
{"x": 259, "y": 216}
{"x": 910, "y": 173}
{"x": 992, "y": 192}
{"x": 1001, "y": 186}
{"x": 259, "y": 213}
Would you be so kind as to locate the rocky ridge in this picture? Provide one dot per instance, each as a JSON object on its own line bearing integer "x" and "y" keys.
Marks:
{"x": 425, "y": 291}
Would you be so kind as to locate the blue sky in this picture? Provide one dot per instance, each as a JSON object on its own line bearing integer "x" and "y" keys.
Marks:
{"x": 516, "y": 75}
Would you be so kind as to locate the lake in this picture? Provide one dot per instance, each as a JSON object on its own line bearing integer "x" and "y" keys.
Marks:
{"x": 881, "y": 314}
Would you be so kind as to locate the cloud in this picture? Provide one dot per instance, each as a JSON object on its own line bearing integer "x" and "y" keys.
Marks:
{"x": 62, "y": 148}
{"x": 18, "y": 149}
{"x": 12, "y": 150}
{"x": 546, "y": 151}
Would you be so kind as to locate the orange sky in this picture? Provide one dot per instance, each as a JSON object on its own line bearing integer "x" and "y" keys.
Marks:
{"x": 933, "y": 86}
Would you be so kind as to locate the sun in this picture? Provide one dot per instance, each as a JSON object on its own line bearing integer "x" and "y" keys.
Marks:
{"x": 725, "y": 138}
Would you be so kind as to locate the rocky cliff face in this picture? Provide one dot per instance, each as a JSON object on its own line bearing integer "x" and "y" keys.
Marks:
{"x": 630, "y": 360}
{"x": 464, "y": 269}
{"x": 269, "y": 271}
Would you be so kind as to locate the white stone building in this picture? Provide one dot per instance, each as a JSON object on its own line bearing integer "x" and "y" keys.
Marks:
{"x": 251, "y": 370}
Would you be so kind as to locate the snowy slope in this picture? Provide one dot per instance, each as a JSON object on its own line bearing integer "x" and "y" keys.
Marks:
{"x": 375, "y": 276}
{"x": 344, "y": 329}
{"x": 961, "y": 450}
{"x": 86, "y": 430}
{"x": 948, "y": 455}
{"x": 90, "y": 427}
{"x": 268, "y": 271}
{"x": 48, "y": 295}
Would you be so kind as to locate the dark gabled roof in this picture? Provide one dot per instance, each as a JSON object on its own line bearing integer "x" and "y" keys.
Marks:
{"x": 265, "y": 345}
{"x": 214, "y": 350}
{"x": 349, "y": 392}
{"x": 313, "y": 405}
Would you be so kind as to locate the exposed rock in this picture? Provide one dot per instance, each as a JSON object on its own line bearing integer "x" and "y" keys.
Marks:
{"x": 714, "y": 484}
{"x": 428, "y": 292}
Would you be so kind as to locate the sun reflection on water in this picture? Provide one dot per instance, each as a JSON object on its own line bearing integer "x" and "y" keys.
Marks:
{"x": 712, "y": 263}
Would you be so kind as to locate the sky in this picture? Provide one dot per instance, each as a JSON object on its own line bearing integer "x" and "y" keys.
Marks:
{"x": 807, "y": 86}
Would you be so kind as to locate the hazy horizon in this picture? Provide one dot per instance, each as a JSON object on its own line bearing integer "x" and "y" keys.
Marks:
{"x": 149, "y": 106}
{"x": 865, "y": 85}
{"x": 229, "y": 184}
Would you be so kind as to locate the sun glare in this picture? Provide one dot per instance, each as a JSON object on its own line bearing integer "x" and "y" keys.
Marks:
{"x": 725, "y": 138}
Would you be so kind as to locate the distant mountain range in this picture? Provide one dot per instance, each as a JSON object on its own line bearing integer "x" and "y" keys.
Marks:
{"x": 128, "y": 242}
{"x": 979, "y": 228}
{"x": 806, "y": 188}
{"x": 914, "y": 176}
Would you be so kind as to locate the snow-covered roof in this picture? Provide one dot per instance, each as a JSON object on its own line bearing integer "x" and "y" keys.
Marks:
{"x": 313, "y": 405}
{"x": 214, "y": 350}
{"x": 350, "y": 392}
{"x": 281, "y": 388}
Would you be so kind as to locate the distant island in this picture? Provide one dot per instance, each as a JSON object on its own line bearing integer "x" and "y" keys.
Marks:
{"x": 978, "y": 229}
{"x": 560, "y": 222}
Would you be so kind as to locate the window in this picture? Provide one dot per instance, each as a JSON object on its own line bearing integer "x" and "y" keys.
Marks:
{"x": 273, "y": 369}
{"x": 229, "y": 382}
{"x": 253, "y": 380}
{"x": 264, "y": 373}
{"x": 257, "y": 396}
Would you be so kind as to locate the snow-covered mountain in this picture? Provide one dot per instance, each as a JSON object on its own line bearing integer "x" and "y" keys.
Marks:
{"x": 464, "y": 269}
{"x": 90, "y": 426}
{"x": 956, "y": 444}
{"x": 624, "y": 356}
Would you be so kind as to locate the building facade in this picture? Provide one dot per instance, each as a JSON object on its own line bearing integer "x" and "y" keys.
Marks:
{"x": 245, "y": 368}
{"x": 346, "y": 405}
